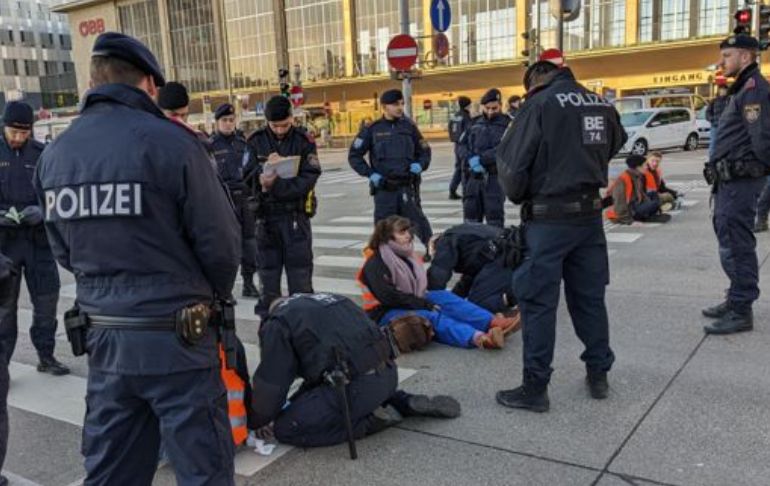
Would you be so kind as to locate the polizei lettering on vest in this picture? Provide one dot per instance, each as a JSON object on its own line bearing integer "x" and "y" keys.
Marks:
{"x": 94, "y": 201}
{"x": 581, "y": 99}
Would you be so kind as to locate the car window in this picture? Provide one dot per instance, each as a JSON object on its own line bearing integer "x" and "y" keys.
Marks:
{"x": 634, "y": 118}
{"x": 680, "y": 116}
{"x": 698, "y": 102}
{"x": 624, "y": 105}
{"x": 670, "y": 101}
{"x": 662, "y": 118}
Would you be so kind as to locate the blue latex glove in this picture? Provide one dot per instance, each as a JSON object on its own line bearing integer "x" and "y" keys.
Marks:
{"x": 415, "y": 168}
{"x": 475, "y": 164}
{"x": 376, "y": 179}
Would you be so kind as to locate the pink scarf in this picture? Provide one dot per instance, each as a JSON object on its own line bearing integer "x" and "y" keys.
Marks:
{"x": 410, "y": 277}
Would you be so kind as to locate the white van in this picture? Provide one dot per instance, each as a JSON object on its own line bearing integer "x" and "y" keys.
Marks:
{"x": 659, "y": 128}
{"x": 660, "y": 100}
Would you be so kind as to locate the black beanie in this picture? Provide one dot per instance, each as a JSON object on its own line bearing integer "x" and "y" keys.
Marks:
{"x": 173, "y": 96}
{"x": 277, "y": 108}
{"x": 18, "y": 115}
{"x": 634, "y": 161}
{"x": 463, "y": 101}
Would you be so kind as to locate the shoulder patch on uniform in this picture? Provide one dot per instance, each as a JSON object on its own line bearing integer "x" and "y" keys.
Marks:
{"x": 310, "y": 137}
{"x": 750, "y": 84}
{"x": 313, "y": 160}
{"x": 751, "y": 112}
{"x": 358, "y": 143}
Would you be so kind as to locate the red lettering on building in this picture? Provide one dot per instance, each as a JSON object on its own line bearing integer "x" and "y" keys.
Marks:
{"x": 91, "y": 27}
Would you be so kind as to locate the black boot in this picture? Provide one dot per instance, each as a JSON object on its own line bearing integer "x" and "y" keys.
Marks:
{"x": 440, "y": 406}
{"x": 760, "y": 225}
{"x": 732, "y": 322}
{"x": 249, "y": 289}
{"x": 527, "y": 396}
{"x": 49, "y": 364}
{"x": 717, "y": 311}
{"x": 597, "y": 384}
{"x": 383, "y": 418}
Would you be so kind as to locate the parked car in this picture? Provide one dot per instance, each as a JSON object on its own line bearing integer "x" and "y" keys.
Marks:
{"x": 660, "y": 100}
{"x": 660, "y": 128}
{"x": 704, "y": 127}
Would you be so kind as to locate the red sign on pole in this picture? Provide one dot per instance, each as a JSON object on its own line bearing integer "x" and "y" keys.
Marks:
{"x": 427, "y": 105}
{"x": 297, "y": 96}
{"x": 402, "y": 52}
{"x": 441, "y": 45}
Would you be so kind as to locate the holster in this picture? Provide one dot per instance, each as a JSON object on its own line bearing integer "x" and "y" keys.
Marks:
{"x": 192, "y": 322}
{"x": 511, "y": 246}
{"x": 224, "y": 320}
{"x": 76, "y": 325}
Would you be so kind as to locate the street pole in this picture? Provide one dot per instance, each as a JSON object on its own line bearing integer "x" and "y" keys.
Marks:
{"x": 406, "y": 84}
{"x": 536, "y": 46}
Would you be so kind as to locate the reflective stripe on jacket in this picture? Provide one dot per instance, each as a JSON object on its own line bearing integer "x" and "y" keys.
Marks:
{"x": 370, "y": 302}
{"x": 236, "y": 407}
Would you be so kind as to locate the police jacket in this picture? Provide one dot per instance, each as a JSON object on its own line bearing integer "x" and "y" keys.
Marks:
{"x": 560, "y": 143}
{"x": 744, "y": 127}
{"x": 458, "y": 123}
{"x": 464, "y": 249}
{"x": 715, "y": 109}
{"x": 482, "y": 139}
{"x": 16, "y": 170}
{"x": 135, "y": 210}
{"x": 286, "y": 194}
{"x": 392, "y": 146}
{"x": 301, "y": 338}
{"x": 232, "y": 156}
{"x": 376, "y": 276}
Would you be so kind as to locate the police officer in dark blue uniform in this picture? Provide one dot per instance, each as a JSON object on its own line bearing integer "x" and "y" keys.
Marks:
{"x": 482, "y": 196}
{"x": 553, "y": 161}
{"x": 285, "y": 204}
{"x": 474, "y": 251}
{"x": 458, "y": 123}
{"x": 398, "y": 154}
{"x": 23, "y": 240}
{"x": 134, "y": 209}
{"x": 737, "y": 166}
{"x": 232, "y": 155}
{"x": 514, "y": 104}
{"x": 312, "y": 335}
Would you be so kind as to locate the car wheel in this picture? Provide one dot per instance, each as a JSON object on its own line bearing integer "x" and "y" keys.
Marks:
{"x": 639, "y": 147}
{"x": 692, "y": 142}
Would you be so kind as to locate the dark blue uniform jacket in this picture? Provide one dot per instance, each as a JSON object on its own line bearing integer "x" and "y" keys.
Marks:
{"x": 392, "y": 147}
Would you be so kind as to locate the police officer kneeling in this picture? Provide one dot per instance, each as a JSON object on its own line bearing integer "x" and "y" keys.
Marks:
{"x": 312, "y": 335}
{"x": 134, "y": 209}
{"x": 553, "y": 161}
{"x": 738, "y": 164}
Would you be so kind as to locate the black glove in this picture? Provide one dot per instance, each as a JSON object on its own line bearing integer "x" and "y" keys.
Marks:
{"x": 31, "y": 216}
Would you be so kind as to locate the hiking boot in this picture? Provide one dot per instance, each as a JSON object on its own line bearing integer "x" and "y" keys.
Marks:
{"x": 717, "y": 311}
{"x": 440, "y": 406}
{"x": 249, "y": 289}
{"x": 493, "y": 339}
{"x": 453, "y": 196}
{"x": 507, "y": 323}
{"x": 52, "y": 366}
{"x": 760, "y": 225}
{"x": 597, "y": 384}
{"x": 731, "y": 323}
{"x": 383, "y": 418}
{"x": 528, "y": 397}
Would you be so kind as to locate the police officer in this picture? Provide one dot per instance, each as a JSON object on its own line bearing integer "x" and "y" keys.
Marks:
{"x": 397, "y": 156}
{"x": 174, "y": 100}
{"x": 472, "y": 250}
{"x": 740, "y": 160}
{"x": 458, "y": 123}
{"x": 285, "y": 204}
{"x": 134, "y": 209}
{"x": 553, "y": 161}
{"x": 311, "y": 335}
{"x": 23, "y": 240}
{"x": 232, "y": 155}
{"x": 514, "y": 103}
{"x": 482, "y": 196}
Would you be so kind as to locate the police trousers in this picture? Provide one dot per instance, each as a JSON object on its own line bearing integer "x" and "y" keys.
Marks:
{"x": 490, "y": 285}
{"x": 127, "y": 416}
{"x": 483, "y": 199}
{"x": 248, "y": 239}
{"x": 763, "y": 203}
{"x": 28, "y": 248}
{"x": 457, "y": 175}
{"x": 735, "y": 207}
{"x": 314, "y": 417}
{"x": 404, "y": 201}
{"x": 284, "y": 242}
{"x": 4, "y": 386}
{"x": 576, "y": 253}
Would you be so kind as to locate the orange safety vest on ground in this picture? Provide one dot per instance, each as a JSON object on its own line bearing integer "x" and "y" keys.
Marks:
{"x": 652, "y": 179}
{"x": 370, "y": 301}
{"x": 236, "y": 407}
{"x": 625, "y": 177}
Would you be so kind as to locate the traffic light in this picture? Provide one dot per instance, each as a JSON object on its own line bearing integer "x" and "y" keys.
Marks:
{"x": 285, "y": 90}
{"x": 764, "y": 27}
{"x": 530, "y": 51}
{"x": 742, "y": 21}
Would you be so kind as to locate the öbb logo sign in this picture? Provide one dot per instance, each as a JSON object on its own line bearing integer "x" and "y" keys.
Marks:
{"x": 91, "y": 27}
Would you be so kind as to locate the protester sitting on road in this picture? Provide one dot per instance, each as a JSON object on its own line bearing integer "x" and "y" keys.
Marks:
{"x": 473, "y": 250}
{"x": 394, "y": 284}
{"x": 655, "y": 184}
{"x": 631, "y": 201}
{"x": 321, "y": 338}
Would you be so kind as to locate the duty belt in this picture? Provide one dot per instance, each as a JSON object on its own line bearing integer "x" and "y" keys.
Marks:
{"x": 133, "y": 323}
{"x": 561, "y": 210}
{"x": 283, "y": 207}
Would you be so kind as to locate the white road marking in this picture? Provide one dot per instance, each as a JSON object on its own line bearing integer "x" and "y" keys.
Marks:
{"x": 623, "y": 237}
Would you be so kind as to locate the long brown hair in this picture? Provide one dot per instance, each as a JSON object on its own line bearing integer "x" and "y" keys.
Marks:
{"x": 385, "y": 229}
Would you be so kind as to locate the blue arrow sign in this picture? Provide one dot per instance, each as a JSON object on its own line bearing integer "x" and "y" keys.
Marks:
{"x": 440, "y": 15}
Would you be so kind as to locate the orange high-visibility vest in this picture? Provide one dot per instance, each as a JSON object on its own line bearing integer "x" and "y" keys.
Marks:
{"x": 652, "y": 179}
{"x": 625, "y": 177}
{"x": 236, "y": 407}
{"x": 370, "y": 301}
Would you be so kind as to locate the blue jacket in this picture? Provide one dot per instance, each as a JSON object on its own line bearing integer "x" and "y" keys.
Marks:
{"x": 482, "y": 139}
{"x": 16, "y": 170}
{"x": 231, "y": 154}
{"x": 392, "y": 147}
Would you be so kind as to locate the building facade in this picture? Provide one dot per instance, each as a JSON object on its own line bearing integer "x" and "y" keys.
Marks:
{"x": 337, "y": 48}
{"x": 36, "y": 48}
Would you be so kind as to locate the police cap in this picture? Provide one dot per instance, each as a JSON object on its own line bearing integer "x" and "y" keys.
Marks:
{"x": 491, "y": 95}
{"x": 121, "y": 46}
{"x": 225, "y": 109}
{"x": 740, "y": 41}
{"x": 277, "y": 108}
{"x": 463, "y": 101}
{"x": 18, "y": 115}
{"x": 391, "y": 96}
{"x": 173, "y": 96}
{"x": 634, "y": 161}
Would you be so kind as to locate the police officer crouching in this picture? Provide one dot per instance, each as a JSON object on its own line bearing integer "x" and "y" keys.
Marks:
{"x": 232, "y": 156}
{"x": 398, "y": 154}
{"x": 737, "y": 168}
{"x": 553, "y": 161}
{"x": 134, "y": 209}
{"x": 314, "y": 336}
{"x": 284, "y": 204}
{"x": 23, "y": 240}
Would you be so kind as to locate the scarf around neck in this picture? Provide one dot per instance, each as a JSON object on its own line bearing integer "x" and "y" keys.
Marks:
{"x": 406, "y": 269}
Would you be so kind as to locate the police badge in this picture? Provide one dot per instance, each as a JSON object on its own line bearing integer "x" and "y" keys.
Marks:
{"x": 751, "y": 112}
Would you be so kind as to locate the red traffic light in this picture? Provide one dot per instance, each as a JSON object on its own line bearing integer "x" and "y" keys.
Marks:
{"x": 743, "y": 17}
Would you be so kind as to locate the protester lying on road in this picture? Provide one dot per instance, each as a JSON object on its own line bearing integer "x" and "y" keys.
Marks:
{"x": 631, "y": 201}
{"x": 655, "y": 185}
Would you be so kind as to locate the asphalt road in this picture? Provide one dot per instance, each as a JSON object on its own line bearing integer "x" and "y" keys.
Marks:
{"x": 683, "y": 409}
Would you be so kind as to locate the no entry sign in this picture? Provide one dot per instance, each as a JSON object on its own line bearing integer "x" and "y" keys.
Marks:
{"x": 402, "y": 52}
{"x": 297, "y": 96}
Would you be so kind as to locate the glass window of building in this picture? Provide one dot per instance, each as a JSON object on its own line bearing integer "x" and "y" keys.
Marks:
{"x": 713, "y": 17}
{"x": 315, "y": 38}
{"x": 646, "y": 8}
{"x": 194, "y": 45}
{"x": 482, "y": 31}
{"x": 377, "y": 21}
{"x": 251, "y": 42}
{"x": 674, "y": 19}
{"x": 601, "y": 24}
{"x": 10, "y": 68}
{"x": 31, "y": 67}
{"x": 140, "y": 20}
